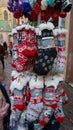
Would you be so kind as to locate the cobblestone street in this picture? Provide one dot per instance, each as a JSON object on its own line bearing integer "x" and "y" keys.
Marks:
{"x": 68, "y": 109}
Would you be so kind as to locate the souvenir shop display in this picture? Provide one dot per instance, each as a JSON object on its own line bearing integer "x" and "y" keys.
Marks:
{"x": 36, "y": 94}
{"x": 37, "y": 91}
{"x": 32, "y": 8}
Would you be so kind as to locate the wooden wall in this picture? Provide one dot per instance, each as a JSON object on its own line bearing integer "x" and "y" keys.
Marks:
{"x": 69, "y": 65}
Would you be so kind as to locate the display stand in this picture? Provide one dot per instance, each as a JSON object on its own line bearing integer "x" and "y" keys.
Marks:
{"x": 36, "y": 91}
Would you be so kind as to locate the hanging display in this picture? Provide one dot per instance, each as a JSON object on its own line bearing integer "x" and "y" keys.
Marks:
{"x": 43, "y": 7}
{"x": 39, "y": 56}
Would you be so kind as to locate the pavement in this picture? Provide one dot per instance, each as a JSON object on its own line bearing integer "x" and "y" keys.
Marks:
{"x": 5, "y": 78}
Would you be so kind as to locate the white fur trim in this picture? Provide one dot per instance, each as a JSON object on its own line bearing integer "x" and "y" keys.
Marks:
{"x": 18, "y": 84}
{"x": 38, "y": 31}
{"x": 36, "y": 82}
{"x": 27, "y": 27}
{"x": 59, "y": 31}
{"x": 55, "y": 32}
{"x": 42, "y": 26}
{"x": 14, "y": 31}
{"x": 27, "y": 77}
{"x": 48, "y": 26}
{"x": 14, "y": 74}
{"x": 53, "y": 80}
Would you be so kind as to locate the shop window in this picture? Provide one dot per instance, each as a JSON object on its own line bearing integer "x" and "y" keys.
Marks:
{"x": 5, "y": 15}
